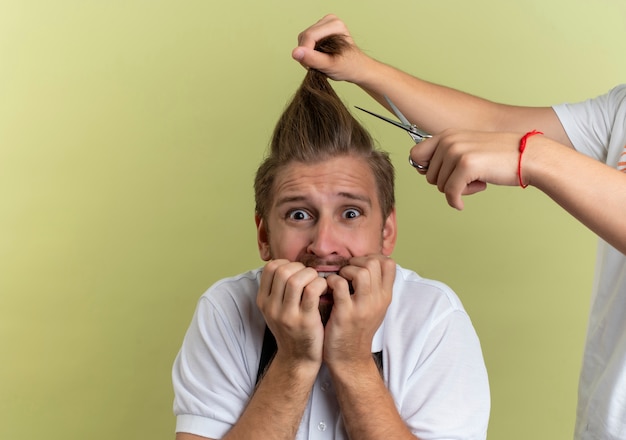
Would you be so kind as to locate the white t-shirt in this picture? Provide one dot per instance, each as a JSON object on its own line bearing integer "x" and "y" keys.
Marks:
{"x": 432, "y": 363}
{"x": 597, "y": 128}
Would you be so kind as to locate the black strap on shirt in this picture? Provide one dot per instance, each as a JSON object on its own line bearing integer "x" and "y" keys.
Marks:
{"x": 269, "y": 350}
{"x": 267, "y": 353}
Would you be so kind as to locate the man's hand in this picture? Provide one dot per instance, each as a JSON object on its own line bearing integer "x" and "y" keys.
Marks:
{"x": 344, "y": 67}
{"x": 289, "y": 296}
{"x": 355, "y": 318}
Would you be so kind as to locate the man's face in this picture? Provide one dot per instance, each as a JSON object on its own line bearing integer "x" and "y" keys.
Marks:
{"x": 323, "y": 214}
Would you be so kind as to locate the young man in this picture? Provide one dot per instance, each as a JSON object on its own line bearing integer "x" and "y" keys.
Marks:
{"x": 364, "y": 349}
{"x": 574, "y": 153}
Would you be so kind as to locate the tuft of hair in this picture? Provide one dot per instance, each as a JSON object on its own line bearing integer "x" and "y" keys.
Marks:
{"x": 316, "y": 126}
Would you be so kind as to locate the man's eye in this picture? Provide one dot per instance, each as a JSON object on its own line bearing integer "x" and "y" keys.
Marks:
{"x": 298, "y": 214}
{"x": 351, "y": 213}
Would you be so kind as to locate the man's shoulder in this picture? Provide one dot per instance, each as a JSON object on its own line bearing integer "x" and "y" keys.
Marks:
{"x": 250, "y": 277}
{"x": 412, "y": 287}
{"x": 239, "y": 287}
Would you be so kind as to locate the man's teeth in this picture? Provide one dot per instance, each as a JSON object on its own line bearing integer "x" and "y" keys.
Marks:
{"x": 326, "y": 274}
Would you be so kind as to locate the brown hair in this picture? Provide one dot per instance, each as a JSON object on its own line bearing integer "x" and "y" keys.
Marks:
{"x": 317, "y": 126}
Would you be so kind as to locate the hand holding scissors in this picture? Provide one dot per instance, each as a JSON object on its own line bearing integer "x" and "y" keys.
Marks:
{"x": 454, "y": 181}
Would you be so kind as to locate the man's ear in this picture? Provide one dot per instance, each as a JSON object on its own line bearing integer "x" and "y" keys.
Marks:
{"x": 390, "y": 233}
{"x": 262, "y": 238}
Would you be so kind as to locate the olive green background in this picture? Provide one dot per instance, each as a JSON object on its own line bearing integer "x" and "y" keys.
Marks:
{"x": 129, "y": 135}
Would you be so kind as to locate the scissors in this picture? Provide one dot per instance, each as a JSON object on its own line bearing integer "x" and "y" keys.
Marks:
{"x": 416, "y": 134}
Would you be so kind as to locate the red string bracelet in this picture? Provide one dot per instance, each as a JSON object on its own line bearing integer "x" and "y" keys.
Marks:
{"x": 522, "y": 147}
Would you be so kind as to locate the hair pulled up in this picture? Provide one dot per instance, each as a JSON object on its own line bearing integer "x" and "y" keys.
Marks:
{"x": 317, "y": 126}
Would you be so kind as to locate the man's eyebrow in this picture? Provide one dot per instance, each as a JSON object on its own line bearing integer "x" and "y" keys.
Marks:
{"x": 359, "y": 197}
{"x": 289, "y": 199}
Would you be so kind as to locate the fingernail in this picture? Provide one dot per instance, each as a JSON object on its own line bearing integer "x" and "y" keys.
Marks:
{"x": 298, "y": 54}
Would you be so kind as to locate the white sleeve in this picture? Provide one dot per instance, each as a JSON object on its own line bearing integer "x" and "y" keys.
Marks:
{"x": 595, "y": 124}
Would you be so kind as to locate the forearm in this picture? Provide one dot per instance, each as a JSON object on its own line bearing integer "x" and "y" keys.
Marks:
{"x": 432, "y": 107}
{"x": 589, "y": 190}
{"x": 368, "y": 409}
{"x": 275, "y": 410}
{"x": 435, "y": 108}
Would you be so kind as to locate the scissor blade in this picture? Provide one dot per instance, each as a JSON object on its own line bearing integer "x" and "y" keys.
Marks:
{"x": 397, "y": 111}
{"x": 391, "y": 121}
{"x": 417, "y": 134}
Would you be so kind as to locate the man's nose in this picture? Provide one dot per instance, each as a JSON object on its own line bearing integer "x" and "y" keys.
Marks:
{"x": 325, "y": 238}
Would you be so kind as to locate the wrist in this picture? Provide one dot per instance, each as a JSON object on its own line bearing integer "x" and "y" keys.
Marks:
{"x": 355, "y": 378}
{"x": 298, "y": 370}
{"x": 367, "y": 72}
{"x": 349, "y": 368}
{"x": 524, "y": 178}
